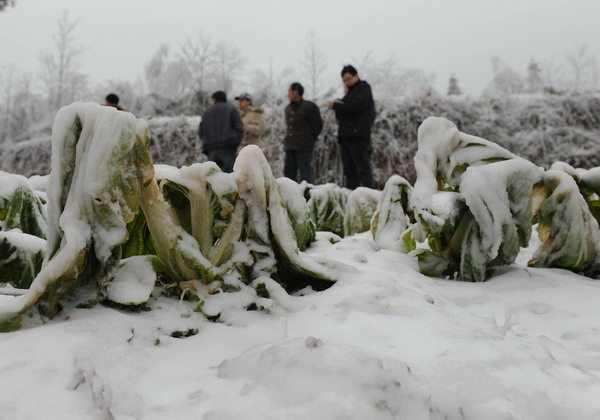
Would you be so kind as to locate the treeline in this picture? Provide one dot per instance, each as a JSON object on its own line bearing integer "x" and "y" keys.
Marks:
{"x": 542, "y": 128}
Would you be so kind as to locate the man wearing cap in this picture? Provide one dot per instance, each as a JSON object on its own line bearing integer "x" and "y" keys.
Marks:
{"x": 254, "y": 125}
{"x": 304, "y": 124}
{"x": 221, "y": 131}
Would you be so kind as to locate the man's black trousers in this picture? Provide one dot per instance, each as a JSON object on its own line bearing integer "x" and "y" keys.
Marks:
{"x": 356, "y": 160}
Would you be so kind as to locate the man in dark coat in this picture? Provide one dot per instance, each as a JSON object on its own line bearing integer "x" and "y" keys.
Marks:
{"x": 355, "y": 113}
{"x": 221, "y": 132}
{"x": 304, "y": 124}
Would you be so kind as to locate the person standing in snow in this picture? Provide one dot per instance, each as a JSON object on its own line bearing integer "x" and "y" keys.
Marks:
{"x": 221, "y": 131}
{"x": 304, "y": 124}
{"x": 254, "y": 125}
{"x": 113, "y": 100}
{"x": 355, "y": 113}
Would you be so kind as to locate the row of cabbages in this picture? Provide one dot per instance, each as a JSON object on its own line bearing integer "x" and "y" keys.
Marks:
{"x": 116, "y": 223}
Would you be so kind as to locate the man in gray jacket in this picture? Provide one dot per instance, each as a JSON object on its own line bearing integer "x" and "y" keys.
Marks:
{"x": 221, "y": 132}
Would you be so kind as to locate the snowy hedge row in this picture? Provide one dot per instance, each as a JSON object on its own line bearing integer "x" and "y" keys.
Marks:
{"x": 109, "y": 224}
{"x": 540, "y": 128}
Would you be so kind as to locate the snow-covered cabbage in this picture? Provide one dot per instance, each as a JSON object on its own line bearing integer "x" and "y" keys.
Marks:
{"x": 588, "y": 182}
{"x": 21, "y": 257}
{"x": 327, "y": 204}
{"x": 298, "y": 211}
{"x": 569, "y": 233}
{"x": 269, "y": 232}
{"x": 201, "y": 202}
{"x": 21, "y": 207}
{"x": 486, "y": 215}
{"x": 390, "y": 222}
{"x": 177, "y": 249}
{"x": 100, "y": 161}
{"x": 362, "y": 203}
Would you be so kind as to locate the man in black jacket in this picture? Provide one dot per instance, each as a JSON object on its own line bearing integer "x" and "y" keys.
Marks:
{"x": 355, "y": 113}
{"x": 221, "y": 131}
{"x": 304, "y": 124}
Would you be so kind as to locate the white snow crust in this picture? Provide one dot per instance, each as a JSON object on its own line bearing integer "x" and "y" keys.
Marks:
{"x": 384, "y": 343}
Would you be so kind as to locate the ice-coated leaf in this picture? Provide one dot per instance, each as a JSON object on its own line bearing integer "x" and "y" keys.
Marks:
{"x": 391, "y": 218}
{"x": 298, "y": 212}
{"x": 21, "y": 257}
{"x": 21, "y": 207}
{"x": 569, "y": 233}
{"x": 327, "y": 204}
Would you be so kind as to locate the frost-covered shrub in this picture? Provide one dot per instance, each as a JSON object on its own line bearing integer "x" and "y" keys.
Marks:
{"x": 472, "y": 199}
{"x": 540, "y": 128}
{"x": 175, "y": 141}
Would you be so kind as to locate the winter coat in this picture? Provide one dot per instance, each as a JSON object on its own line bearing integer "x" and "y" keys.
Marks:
{"x": 220, "y": 126}
{"x": 356, "y": 111}
{"x": 253, "y": 119}
{"x": 304, "y": 124}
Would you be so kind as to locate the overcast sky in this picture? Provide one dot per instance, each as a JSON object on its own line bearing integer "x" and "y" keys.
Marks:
{"x": 437, "y": 36}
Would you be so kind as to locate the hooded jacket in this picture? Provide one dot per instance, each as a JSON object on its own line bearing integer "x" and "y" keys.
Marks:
{"x": 220, "y": 126}
{"x": 356, "y": 111}
{"x": 253, "y": 119}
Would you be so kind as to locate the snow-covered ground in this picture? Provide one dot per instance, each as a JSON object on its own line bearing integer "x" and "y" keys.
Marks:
{"x": 386, "y": 343}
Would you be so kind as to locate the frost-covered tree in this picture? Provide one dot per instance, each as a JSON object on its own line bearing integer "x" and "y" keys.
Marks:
{"x": 5, "y": 3}
{"x": 156, "y": 68}
{"x": 390, "y": 81}
{"x": 60, "y": 64}
{"x": 196, "y": 53}
{"x": 270, "y": 87}
{"x": 453, "y": 88}
{"x": 168, "y": 79}
{"x": 228, "y": 61}
{"x": 505, "y": 80}
{"x": 534, "y": 77}
{"x": 314, "y": 63}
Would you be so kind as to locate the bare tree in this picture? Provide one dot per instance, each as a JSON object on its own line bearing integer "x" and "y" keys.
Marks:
{"x": 196, "y": 54}
{"x": 7, "y": 83}
{"x": 314, "y": 63}
{"x": 583, "y": 66}
{"x": 552, "y": 74}
{"x": 228, "y": 62}
{"x": 59, "y": 65}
